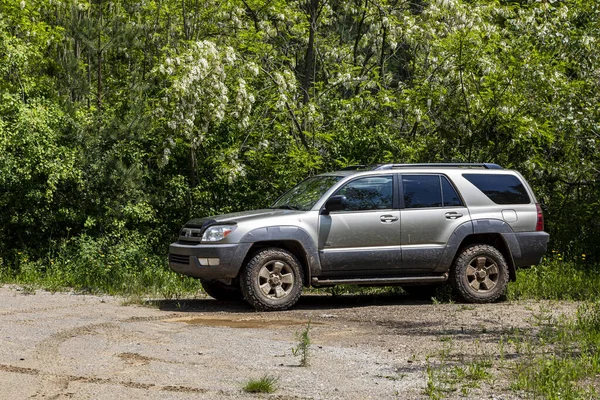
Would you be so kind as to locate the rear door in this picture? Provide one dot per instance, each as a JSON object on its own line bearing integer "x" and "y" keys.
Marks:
{"x": 431, "y": 211}
{"x": 365, "y": 236}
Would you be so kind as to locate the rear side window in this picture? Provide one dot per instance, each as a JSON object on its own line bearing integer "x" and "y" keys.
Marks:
{"x": 501, "y": 189}
{"x": 449, "y": 194}
{"x": 422, "y": 191}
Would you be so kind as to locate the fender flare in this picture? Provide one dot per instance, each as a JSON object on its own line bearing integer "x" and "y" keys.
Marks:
{"x": 284, "y": 233}
{"x": 482, "y": 226}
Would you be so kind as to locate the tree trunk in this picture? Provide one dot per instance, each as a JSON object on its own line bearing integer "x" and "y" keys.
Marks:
{"x": 99, "y": 54}
{"x": 312, "y": 10}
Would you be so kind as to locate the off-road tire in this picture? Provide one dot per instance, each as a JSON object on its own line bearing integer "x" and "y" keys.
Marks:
{"x": 272, "y": 280}
{"x": 221, "y": 291}
{"x": 479, "y": 274}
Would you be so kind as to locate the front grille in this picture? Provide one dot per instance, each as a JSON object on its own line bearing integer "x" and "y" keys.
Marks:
{"x": 190, "y": 235}
{"x": 179, "y": 259}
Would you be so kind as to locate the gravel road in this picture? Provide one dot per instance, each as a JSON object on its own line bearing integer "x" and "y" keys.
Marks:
{"x": 59, "y": 346}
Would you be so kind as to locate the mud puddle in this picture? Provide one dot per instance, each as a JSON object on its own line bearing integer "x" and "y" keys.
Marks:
{"x": 241, "y": 322}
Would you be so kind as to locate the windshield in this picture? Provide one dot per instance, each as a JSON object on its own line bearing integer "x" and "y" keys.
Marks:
{"x": 304, "y": 195}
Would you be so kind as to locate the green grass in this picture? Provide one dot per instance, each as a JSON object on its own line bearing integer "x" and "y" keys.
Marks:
{"x": 266, "y": 384}
{"x": 557, "y": 279}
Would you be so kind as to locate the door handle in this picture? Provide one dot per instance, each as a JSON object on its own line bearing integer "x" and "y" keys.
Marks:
{"x": 388, "y": 218}
{"x": 453, "y": 215}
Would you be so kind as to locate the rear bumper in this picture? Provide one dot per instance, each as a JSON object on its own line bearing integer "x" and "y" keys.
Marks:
{"x": 215, "y": 261}
{"x": 533, "y": 246}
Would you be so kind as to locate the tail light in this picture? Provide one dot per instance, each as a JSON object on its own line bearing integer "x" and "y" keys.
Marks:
{"x": 539, "y": 226}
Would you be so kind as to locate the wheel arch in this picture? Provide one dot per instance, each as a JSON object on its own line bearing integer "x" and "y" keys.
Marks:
{"x": 293, "y": 246}
{"x": 289, "y": 237}
{"x": 494, "y": 232}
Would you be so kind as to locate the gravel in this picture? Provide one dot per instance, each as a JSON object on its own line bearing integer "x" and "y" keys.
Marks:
{"x": 61, "y": 345}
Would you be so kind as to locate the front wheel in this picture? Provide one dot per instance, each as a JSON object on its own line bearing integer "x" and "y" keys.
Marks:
{"x": 479, "y": 274}
{"x": 272, "y": 280}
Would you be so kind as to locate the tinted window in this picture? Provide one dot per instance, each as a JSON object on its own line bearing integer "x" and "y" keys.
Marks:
{"x": 422, "y": 191}
{"x": 449, "y": 195}
{"x": 501, "y": 189}
{"x": 371, "y": 193}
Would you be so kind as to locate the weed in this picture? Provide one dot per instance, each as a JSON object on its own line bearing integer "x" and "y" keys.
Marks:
{"x": 502, "y": 350}
{"x": 432, "y": 390}
{"x": 392, "y": 377}
{"x": 28, "y": 289}
{"x": 266, "y": 384}
{"x": 133, "y": 299}
{"x": 457, "y": 371}
{"x": 303, "y": 347}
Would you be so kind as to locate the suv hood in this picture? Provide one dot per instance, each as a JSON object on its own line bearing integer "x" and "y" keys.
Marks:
{"x": 238, "y": 217}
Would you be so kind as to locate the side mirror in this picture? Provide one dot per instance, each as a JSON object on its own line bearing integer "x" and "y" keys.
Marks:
{"x": 335, "y": 203}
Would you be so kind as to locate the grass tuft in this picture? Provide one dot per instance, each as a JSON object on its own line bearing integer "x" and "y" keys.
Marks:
{"x": 266, "y": 384}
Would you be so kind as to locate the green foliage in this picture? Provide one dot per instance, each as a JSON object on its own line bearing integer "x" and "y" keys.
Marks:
{"x": 122, "y": 265}
{"x": 129, "y": 118}
{"x": 266, "y": 384}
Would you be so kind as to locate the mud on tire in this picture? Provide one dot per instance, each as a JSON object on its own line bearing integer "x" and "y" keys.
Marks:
{"x": 479, "y": 274}
{"x": 272, "y": 280}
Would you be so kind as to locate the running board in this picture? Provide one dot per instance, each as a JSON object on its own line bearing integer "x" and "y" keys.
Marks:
{"x": 380, "y": 281}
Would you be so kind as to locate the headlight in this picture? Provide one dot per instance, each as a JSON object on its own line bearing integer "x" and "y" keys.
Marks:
{"x": 217, "y": 232}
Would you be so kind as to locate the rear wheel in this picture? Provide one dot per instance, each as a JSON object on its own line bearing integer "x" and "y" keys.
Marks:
{"x": 272, "y": 280}
{"x": 222, "y": 291}
{"x": 479, "y": 274}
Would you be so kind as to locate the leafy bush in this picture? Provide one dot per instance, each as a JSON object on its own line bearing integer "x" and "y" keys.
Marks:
{"x": 122, "y": 264}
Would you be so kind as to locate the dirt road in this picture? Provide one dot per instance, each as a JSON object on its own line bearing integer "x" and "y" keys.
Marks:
{"x": 59, "y": 346}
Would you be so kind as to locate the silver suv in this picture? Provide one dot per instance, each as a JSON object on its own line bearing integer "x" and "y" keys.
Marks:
{"x": 414, "y": 225}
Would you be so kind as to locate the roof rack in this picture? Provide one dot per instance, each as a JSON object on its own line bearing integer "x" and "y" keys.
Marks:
{"x": 355, "y": 167}
{"x": 439, "y": 165}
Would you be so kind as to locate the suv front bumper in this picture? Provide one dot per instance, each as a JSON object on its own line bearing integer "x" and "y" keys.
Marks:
{"x": 207, "y": 261}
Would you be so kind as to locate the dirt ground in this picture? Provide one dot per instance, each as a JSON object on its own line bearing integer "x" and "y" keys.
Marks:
{"x": 68, "y": 346}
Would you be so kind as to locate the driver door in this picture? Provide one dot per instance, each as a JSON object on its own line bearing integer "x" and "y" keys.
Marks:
{"x": 365, "y": 235}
